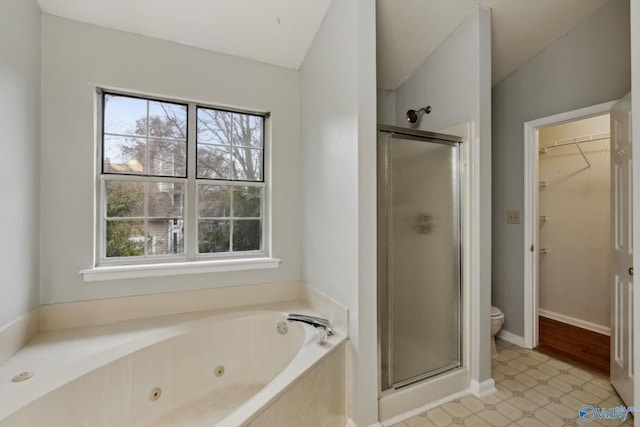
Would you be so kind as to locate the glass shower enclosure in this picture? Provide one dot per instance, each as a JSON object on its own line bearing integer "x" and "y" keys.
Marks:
{"x": 419, "y": 255}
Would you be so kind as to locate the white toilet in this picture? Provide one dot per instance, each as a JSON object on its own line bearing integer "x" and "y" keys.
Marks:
{"x": 497, "y": 319}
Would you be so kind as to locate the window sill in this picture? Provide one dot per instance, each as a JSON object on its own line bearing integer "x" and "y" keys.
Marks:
{"x": 116, "y": 272}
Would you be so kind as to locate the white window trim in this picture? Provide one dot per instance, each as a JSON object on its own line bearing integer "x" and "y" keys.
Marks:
{"x": 136, "y": 271}
{"x": 201, "y": 263}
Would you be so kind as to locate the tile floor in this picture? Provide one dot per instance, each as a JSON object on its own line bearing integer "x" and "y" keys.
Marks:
{"x": 533, "y": 390}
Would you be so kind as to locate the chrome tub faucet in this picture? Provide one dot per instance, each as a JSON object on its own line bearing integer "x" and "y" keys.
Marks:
{"x": 322, "y": 325}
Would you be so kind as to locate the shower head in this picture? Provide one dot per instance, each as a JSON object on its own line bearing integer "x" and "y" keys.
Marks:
{"x": 413, "y": 115}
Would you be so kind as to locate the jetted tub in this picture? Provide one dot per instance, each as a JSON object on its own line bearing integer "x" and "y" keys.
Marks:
{"x": 230, "y": 369}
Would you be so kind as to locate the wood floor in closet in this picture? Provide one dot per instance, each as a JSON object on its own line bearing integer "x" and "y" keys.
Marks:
{"x": 576, "y": 345}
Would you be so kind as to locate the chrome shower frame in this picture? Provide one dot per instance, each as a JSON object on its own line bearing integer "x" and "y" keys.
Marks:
{"x": 385, "y": 286}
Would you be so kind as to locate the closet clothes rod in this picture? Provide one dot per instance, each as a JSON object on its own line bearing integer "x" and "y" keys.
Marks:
{"x": 576, "y": 142}
{"x": 572, "y": 141}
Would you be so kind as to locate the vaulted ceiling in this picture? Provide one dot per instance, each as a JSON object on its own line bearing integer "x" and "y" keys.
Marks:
{"x": 277, "y": 32}
{"x": 409, "y": 31}
{"x": 280, "y": 32}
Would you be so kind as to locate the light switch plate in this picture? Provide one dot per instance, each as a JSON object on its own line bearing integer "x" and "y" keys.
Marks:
{"x": 513, "y": 217}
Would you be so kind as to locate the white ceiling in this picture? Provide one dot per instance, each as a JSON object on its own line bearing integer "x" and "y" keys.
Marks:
{"x": 277, "y": 32}
{"x": 409, "y": 30}
{"x": 280, "y": 32}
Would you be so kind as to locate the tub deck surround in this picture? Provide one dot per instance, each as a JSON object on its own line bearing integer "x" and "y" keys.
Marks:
{"x": 327, "y": 307}
{"x": 111, "y": 310}
{"x": 65, "y": 357}
{"x": 326, "y": 381}
{"x": 17, "y": 333}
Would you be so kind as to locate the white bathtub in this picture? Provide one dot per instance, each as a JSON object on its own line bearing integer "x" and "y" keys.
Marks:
{"x": 108, "y": 375}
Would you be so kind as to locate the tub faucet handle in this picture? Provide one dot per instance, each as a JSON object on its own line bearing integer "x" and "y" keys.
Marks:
{"x": 322, "y": 335}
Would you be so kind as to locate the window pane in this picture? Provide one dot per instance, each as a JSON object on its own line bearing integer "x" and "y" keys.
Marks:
{"x": 123, "y": 155}
{"x": 247, "y": 202}
{"x": 166, "y": 200}
{"x": 214, "y": 201}
{"x": 247, "y": 164}
{"x": 247, "y": 130}
{"x": 125, "y": 238}
{"x": 214, "y": 162}
{"x": 124, "y": 115}
{"x": 165, "y": 237}
{"x": 214, "y": 126}
{"x": 167, "y": 120}
{"x": 213, "y": 236}
{"x": 168, "y": 158}
{"x": 129, "y": 125}
{"x": 226, "y": 139}
{"x": 124, "y": 199}
{"x": 246, "y": 235}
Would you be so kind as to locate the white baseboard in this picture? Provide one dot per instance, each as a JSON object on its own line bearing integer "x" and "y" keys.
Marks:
{"x": 351, "y": 423}
{"x": 484, "y": 388}
{"x": 17, "y": 333}
{"x": 604, "y": 330}
{"x": 512, "y": 338}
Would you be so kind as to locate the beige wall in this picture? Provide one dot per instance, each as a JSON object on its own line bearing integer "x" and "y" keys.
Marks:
{"x": 338, "y": 259}
{"x": 20, "y": 172}
{"x": 78, "y": 57}
{"x": 574, "y": 274}
{"x": 588, "y": 66}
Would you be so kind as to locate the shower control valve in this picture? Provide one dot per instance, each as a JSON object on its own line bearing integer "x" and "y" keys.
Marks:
{"x": 423, "y": 223}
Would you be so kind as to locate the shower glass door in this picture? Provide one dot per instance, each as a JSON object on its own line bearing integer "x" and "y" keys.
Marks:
{"x": 419, "y": 278}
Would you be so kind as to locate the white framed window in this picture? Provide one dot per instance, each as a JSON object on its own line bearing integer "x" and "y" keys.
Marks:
{"x": 178, "y": 181}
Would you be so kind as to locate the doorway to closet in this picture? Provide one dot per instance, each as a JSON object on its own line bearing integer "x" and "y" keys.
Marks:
{"x": 574, "y": 241}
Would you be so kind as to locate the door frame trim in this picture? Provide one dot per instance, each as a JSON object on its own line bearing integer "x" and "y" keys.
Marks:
{"x": 530, "y": 222}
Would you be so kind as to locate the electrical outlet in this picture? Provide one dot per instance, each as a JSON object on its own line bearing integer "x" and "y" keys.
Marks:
{"x": 513, "y": 217}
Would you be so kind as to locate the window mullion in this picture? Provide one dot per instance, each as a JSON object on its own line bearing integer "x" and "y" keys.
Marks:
{"x": 191, "y": 211}
{"x": 103, "y": 217}
{"x": 232, "y": 155}
{"x": 231, "y": 213}
{"x": 263, "y": 222}
{"x": 147, "y": 167}
{"x": 145, "y": 224}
